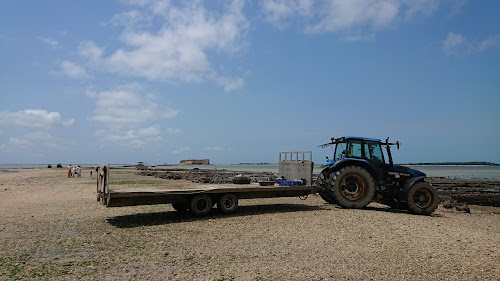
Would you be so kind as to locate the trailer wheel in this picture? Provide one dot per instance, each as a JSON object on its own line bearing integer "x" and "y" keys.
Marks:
{"x": 201, "y": 205}
{"x": 321, "y": 183}
{"x": 180, "y": 207}
{"x": 423, "y": 199}
{"x": 353, "y": 187}
{"x": 227, "y": 203}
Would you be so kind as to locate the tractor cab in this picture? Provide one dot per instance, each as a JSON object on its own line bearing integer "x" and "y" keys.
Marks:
{"x": 367, "y": 151}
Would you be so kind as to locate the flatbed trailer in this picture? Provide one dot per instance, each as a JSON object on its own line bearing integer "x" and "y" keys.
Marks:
{"x": 202, "y": 198}
{"x": 182, "y": 196}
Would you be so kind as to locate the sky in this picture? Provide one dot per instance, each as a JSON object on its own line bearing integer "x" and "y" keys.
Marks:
{"x": 240, "y": 81}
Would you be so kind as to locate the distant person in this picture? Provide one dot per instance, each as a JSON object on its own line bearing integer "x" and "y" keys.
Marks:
{"x": 69, "y": 172}
{"x": 91, "y": 173}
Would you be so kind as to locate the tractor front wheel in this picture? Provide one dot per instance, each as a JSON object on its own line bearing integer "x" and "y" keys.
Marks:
{"x": 423, "y": 199}
{"x": 353, "y": 187}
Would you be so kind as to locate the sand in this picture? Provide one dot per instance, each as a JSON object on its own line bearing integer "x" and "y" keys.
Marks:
{"x": 52, "y": 228}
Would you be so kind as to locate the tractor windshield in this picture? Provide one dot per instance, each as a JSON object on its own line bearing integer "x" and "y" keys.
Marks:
{"x": 340, "y": 151}
{"x": 349, "y": 149}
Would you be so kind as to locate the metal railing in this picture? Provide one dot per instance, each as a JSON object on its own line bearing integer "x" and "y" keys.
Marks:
{"x": 299, "y": 156}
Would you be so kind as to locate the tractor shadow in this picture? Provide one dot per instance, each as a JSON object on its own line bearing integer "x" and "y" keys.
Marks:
{"x": 171, "y": 217}
{"x": 395, "y": 211}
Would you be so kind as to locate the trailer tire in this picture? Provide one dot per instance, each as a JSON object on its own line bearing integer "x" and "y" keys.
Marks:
{"x": 180, "y": 207}
{"x": 353, "y": 187}
{"x": 200, "y": 205}
{"x": 227, "y": 203}
{"x": 423, "y": 199}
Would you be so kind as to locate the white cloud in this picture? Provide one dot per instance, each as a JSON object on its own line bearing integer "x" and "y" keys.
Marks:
{"x": 230, "y": 83}
{"x": 20, "y": 143}
{"x": 35, "y": 118}
{"x": 33, "y": 141}
{"x": 343, "y": 15}
{"x": 425, "y": 7}
{"x": 453, "y": 43}
{"x": 173, "y": 131}
{"x": 72, "y": 70}
{"x": 339, "y": 15}
{"x": 126, "y": 107}
{"x": 132, "y": 19}
{"x": 181, "y": 150}
{"x": 457, "y": 44}
{"x": 49, "y": 41}
{"x": 136, "y": 138}
{"x": 179, "y": 49}
{"x": 125, "y": 113}
{"x": 354, "y": 38}
{"x": 43, "y": 138}
{"x": 491, "y": 42}
{"x": 278, "y": 12}
{"x": 90, "y": 50}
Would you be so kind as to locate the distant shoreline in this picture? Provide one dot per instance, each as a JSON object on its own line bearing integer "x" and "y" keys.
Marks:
{"x": 454, "y": 164}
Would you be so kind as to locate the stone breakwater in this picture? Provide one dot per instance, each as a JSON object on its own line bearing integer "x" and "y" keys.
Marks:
{"x": 476, "y": 192}
{"x": 207, "y": 176}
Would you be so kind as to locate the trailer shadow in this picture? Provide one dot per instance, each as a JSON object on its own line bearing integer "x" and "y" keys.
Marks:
{"x": 170, "y": 217}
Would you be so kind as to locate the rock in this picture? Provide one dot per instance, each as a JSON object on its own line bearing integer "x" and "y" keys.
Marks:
{"x": 462, "y": 207}
{"x": 449, "y": 204}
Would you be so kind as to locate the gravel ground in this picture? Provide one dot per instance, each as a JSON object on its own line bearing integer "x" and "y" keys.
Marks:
{"x": 52, "y": 228}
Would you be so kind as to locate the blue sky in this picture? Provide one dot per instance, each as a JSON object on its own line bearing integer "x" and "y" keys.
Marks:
{"x": 161, "y": 81}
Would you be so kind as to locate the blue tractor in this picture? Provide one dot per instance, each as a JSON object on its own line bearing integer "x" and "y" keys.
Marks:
{"x": 358, "y": 174}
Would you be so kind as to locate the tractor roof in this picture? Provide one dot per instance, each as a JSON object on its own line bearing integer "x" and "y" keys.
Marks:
{"x": 361, "y": 138}
{"x": 344, "y": 139}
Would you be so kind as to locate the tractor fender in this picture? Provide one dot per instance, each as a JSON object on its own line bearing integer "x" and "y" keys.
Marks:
{"x": 344, "y": 162}
{"x": 403, "y": 195}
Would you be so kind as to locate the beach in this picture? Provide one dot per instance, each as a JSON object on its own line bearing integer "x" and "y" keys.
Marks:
{"x": 53, "y": 228}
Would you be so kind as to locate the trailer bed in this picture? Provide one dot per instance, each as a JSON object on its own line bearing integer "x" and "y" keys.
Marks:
{"x": 145, "y": 196}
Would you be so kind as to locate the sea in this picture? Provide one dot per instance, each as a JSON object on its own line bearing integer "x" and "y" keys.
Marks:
{"x": 445, "y": 171}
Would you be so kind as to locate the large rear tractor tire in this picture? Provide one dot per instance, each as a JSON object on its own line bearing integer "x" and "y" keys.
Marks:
{"x": 201, "y": 205}
{"x": 322, "y": 184}
{"x": 423, "y": 199}
{"x": 227, "y": 203}
{"x": 353, "y": 187}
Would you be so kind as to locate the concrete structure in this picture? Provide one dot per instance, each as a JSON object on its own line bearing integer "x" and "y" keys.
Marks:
{"x": 195, "y": 162}
{"x": 296, "y": 166}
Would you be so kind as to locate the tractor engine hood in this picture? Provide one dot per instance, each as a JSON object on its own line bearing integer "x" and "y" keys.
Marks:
{"x": 406, "y": 171}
